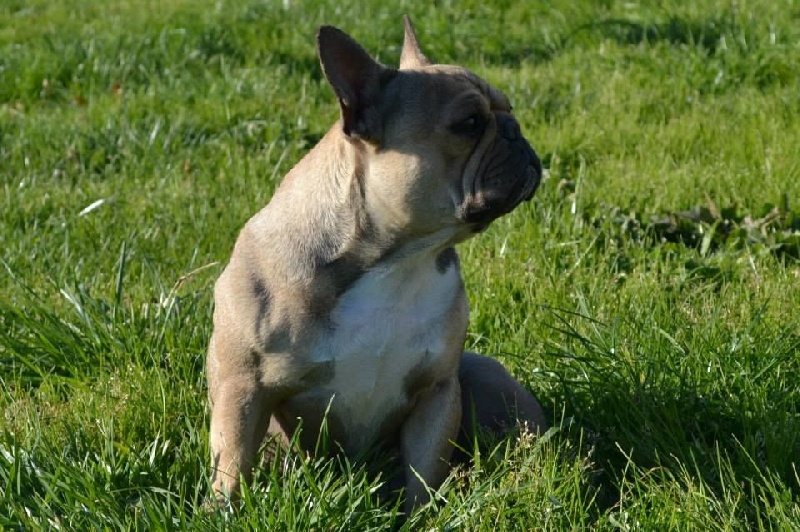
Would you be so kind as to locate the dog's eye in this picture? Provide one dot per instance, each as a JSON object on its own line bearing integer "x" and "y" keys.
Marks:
{"x": 471, "y": 126}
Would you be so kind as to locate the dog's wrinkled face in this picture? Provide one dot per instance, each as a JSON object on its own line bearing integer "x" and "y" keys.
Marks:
{"x": 489, "y": 165}
{"x": 466, "y": 160}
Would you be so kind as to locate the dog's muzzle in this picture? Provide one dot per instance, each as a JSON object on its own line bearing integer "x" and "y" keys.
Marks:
{"x": 509, "y": 174}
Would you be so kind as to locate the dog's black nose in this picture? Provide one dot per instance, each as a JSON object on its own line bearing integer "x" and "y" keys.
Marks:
{"x": 511, "y": 131}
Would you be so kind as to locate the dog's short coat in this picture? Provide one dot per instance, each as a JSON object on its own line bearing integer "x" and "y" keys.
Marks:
{"x": 343, "y": 296}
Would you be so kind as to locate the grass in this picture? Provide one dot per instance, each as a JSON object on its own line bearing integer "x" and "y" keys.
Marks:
{"x": 648, "y": 296}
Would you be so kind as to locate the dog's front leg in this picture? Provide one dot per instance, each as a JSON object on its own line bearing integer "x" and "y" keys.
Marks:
{"x": 240, "y": 414}
{"x": 427, "y": 439}
{"x": 239, "y": 421}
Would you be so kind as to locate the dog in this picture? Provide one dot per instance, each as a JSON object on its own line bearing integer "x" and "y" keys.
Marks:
{"x": 343, "y": 302}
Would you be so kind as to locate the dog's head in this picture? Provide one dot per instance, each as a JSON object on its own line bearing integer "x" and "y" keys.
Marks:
{"x": 442, "y": 148}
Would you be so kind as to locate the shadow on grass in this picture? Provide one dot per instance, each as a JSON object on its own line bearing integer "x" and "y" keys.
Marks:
{"x": 653, "y": 422}
{"x": 692, "y": 434}
{"x": 705, "y": 34}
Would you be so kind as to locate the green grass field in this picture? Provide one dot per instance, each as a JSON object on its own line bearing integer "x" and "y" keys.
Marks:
{"x": 649, "y": 295}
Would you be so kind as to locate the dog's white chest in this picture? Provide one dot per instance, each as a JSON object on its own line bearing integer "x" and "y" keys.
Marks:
{"x": 389, "y": 324}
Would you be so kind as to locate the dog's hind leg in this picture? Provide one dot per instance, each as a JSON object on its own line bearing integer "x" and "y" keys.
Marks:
{"x": 492, "y": 402}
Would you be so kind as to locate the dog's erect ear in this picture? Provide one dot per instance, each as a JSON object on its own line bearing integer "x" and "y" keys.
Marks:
{"x": 356, "y": 80}
{"x": 411, "y": 56}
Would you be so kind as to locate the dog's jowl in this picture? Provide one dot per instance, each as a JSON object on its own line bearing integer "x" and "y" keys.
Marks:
{"x": 343, "y": 300}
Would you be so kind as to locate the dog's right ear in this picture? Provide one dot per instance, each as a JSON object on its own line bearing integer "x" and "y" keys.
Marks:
{"x": 411, "y": 56}
{"x": 356, "y": 79}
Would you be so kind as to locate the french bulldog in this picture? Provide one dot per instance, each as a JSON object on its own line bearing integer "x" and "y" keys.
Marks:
{"x": 343, "y": 302}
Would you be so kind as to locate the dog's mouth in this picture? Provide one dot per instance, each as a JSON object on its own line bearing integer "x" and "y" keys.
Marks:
{"x": 510, "y": 173}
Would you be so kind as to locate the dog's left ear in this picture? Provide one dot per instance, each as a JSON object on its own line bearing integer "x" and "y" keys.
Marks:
{"x": 356, "y": 80}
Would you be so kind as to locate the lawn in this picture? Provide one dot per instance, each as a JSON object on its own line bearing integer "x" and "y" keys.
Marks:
{"x": 649, "y": 295}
